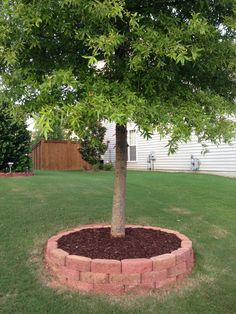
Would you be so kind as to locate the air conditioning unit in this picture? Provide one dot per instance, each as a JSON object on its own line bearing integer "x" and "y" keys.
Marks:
{"x": 152, "y": 156}
{"x": 195, "y": 163}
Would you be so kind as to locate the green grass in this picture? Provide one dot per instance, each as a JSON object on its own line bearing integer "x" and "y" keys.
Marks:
{"x": 201, "y": 206}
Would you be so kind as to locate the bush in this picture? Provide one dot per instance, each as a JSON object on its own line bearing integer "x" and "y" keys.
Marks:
{"x": 101, "y": 166}
{"x": 92, "y": 144}
{"x": 108, "y": 166}
{"x": 14, "y": 141}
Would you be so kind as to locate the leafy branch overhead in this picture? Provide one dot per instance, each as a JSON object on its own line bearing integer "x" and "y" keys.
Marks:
{"x": 168, "y": 65}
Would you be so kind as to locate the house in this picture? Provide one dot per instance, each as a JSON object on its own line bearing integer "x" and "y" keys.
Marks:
{"x": 152, "y": 154}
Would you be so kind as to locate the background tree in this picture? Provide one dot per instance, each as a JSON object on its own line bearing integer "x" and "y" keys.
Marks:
{"x": 91, "y": 141}
{"x": 57, "y": 132}
{"x": 169, "y": 67}
{"x": 14, "y": 141}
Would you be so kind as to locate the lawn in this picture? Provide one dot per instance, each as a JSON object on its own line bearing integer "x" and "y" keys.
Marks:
{"x": 201, "y": 206}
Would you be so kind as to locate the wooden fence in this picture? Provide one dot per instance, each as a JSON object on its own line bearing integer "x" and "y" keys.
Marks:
{"x": 58, "y": 155}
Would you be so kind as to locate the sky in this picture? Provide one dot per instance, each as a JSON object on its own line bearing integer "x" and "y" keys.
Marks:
{"x": 30, "y": 124}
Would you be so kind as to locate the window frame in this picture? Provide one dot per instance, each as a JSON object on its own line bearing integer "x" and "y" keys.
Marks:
{"x": 128, "y": 142}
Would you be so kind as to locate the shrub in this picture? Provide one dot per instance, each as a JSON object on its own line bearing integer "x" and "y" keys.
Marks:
{"x": 108, "y": 166}
{"x": 101, "y": 166}
{"x": 92, "y": 144}
{"x": 14, "y": 141}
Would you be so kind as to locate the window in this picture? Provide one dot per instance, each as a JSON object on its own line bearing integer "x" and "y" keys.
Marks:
{"x": 132, "y": 145}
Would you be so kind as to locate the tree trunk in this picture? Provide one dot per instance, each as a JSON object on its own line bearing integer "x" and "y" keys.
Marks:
{"x": 118, "y": 209}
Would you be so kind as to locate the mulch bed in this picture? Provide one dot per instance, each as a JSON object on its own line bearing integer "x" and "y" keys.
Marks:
{"x": 138, "y": 243}
{"x": 16, "y": 174}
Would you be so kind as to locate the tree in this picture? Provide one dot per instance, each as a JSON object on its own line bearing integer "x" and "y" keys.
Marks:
{"x": 169, "y": 66}
{"x": 57, "y": 133}
{"x": 14, "y": 141}
{"x": 91, "y": 141}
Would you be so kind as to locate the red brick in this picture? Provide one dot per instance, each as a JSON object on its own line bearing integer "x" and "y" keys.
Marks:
{"x": 113, "y": 276}
{"x": 126, "y": 279}
{"x": 52, "y": 266}
{"x": 51, "y": 245}
{"x": 78, "y": 262}
{"x": 181, "y": 255}
{"x": 63, "y": 272}
{"x": 177, "y": 270}
{"x": 86, "y": 277}
{"x": 58, "y": 256}
{"x": 170, "y": 231}
{"x": 143, "y": 227}
{"x": 106, "y": 266}
{"x": 61, "y": 234}
{"x": 100, "y": 278}
{"x": 93, "y": 277}
{"x": 154, "y": 276}
{"x": 186, "y": 244}
{"x": 163, "y": 261}
{"x": 94, "y": 226}
{"x": 189, "y": 265}
{"x": 181, "y": 277}
{"x": 53, "y": 238}
{"x": 182, "y": 237}
{"x": 48, "y": 261}
{"x": 135, "y": 226}
{"x": 166, "y": 283}
{"x": 62, "y": 280}
{"x": 136, "y": 265}
{"x": 109, "y": 288}
{"x": 81, "y": 286}
{"x": 142, "y": 288}
{"x": 192, "y": 255}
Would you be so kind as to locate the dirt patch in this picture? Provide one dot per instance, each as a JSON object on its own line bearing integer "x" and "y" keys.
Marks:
{"x": 36, "y": 263}
{"x": 217, "y": 232}
{"x": 177, "y": 210}
{"x": 37, "y": 266}
{"x": 138, "y": 243}
{"x": 6, "y": 297}
{"x": 180, "y": 289}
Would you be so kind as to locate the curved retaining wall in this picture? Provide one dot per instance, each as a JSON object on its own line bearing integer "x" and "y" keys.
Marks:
{"x": 114, "y": 276}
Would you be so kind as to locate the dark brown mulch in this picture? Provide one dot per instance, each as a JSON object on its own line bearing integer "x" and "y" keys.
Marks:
{"x": 138, "y": 243}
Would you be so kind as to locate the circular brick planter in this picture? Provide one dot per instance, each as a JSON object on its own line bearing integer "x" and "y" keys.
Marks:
{"x": 114, "y": 276}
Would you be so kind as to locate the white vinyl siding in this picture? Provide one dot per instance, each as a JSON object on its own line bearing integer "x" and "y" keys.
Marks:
{"x": 110, "y": 140}
{"x": 220, "y": 158}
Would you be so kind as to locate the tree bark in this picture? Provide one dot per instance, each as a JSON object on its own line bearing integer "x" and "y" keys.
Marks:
{"x": 118, "y": 209}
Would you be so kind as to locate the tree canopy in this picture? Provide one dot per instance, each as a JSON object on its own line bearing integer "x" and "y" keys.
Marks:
{"x": 169, "y": 65}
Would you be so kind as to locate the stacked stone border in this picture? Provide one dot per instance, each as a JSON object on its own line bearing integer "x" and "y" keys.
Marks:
{"x": 16, "y": 174}
{"x": 114, "y": 276}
